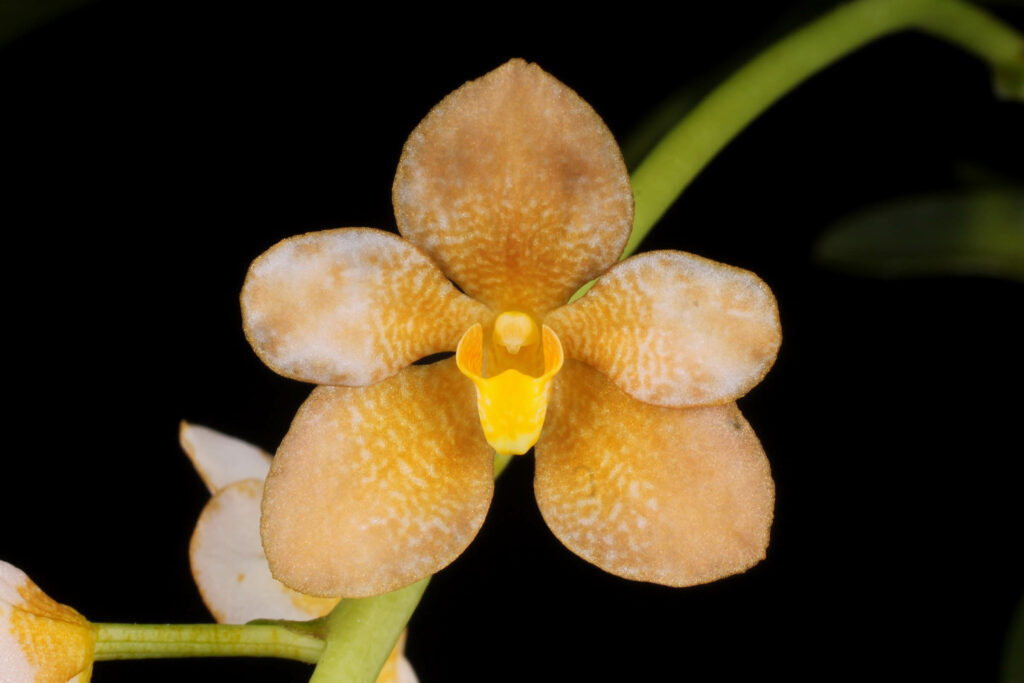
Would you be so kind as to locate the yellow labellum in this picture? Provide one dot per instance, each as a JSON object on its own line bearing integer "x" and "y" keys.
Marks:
{"x": 511, "y": 404}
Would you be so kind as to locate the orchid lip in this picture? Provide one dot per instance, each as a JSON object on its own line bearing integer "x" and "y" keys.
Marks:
{"x": 512, "y": 401}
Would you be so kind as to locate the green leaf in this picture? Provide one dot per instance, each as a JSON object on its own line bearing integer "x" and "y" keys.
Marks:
{"x": 968, "y": 233}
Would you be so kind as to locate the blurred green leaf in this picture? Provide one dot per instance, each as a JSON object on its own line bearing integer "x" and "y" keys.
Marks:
{"x": 1008, "y": 81}
{"x": 967, "y": 233}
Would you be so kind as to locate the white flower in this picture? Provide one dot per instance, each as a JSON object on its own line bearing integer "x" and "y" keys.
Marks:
{"x": 41, "y": 641}
{"x": 227, "y": 557}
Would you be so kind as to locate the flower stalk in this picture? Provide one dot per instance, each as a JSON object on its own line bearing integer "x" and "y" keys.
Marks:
{"x": 149, "y": 641}
{"x": 698, "y": 137}
{"x": 362, "y": 632}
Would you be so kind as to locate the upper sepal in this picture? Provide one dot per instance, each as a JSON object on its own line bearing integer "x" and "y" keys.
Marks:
{"x": 515, "y": 186}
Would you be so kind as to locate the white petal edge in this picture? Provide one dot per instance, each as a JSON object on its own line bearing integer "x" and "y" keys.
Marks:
{"x": 221, "y": 459}
{"x": 13, "y": 661}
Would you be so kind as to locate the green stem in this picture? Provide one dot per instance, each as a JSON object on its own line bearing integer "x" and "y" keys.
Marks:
{"x": 361, "y": 633}
{"x": 147, "y": 641}
{"x": 687, "y": 148}
{"x": 974, "y": 30}
{"x": 984, "y": 36}
{"x": 501, "y": 461}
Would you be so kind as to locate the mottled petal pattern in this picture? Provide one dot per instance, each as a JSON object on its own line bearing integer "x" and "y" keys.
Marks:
{"x": 41, "y": 641}
{"x": 377, "y": 487}
{"x": 350, "y": 307}
{"x": 671, "y": 496}
{"x": 515, "y": 186}
{"x": 674, "y": 329}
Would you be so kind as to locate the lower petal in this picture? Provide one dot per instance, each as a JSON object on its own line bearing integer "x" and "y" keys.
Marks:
{"x": 377, "y": 487}
{"x": 675, "y": 496}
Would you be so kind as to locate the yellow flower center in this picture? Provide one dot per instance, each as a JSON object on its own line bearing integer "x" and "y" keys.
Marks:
{"x": 514, "y": 330}
{"x": 512, "y": 378}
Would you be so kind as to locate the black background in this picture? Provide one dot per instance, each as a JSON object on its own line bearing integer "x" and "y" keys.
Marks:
{"x": 156, "y": 148}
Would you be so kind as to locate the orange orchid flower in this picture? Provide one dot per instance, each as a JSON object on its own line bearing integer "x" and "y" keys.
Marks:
{"x": 514, "y": 189}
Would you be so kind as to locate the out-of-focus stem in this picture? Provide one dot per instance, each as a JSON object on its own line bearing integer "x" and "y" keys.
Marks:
{"x": 698, "y": 137}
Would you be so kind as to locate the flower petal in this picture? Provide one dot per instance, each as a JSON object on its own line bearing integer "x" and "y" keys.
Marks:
{"x": 82, "y": 677}
{"x": 229, "y": 566}
{"x": 674, "y": 329}
{"x": 404, "y": 672}
{"x": 668, "y": 495}
{"x": 40, "y": 639}
{"x": 221, "y": 459}
{"x": 397, "y": 668}
{"x": 350, "y": 306}
{"x": 377, "y": 487}
{"x": 515, "y": 186}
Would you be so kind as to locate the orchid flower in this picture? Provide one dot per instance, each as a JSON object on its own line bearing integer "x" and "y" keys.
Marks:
{"x": 226, "y": 555}
{"x": 513, "y": 189}
{"x": 41, "y": 641}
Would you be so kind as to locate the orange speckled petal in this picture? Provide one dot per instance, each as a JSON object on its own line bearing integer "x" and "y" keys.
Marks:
{"x": 350, "y": 306}
{"x": 41, "y": 640}
{"x": 517, "y": 188}
{"x": 377, "y": 487}
{"x": 674, "y": 329}
{"x": 229, "y": 566}
{"x": 676, "y": 496}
